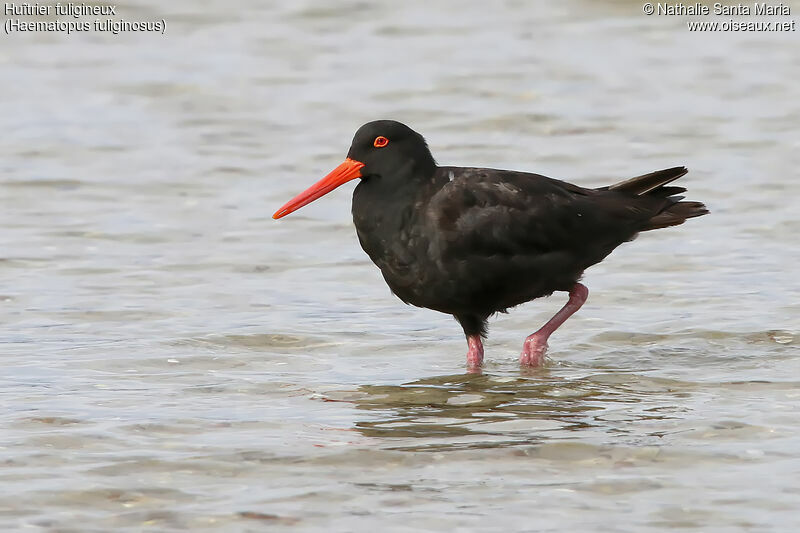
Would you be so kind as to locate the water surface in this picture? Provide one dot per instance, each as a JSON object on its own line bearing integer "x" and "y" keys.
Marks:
{"x": 175, "y": 359}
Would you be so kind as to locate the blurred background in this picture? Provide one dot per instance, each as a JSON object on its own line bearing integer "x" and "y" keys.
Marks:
{"x": 175, "y": 359}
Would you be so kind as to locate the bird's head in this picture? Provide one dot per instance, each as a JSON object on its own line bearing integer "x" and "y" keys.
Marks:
{"x": 382, "y": 149}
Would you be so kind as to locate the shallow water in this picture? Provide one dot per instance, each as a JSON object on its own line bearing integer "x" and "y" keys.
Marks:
{"x": 175, "y": 359}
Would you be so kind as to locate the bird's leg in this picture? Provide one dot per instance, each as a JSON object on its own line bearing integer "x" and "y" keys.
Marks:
{"x": 475, "y": 352}
{"x": 536, "y": 344}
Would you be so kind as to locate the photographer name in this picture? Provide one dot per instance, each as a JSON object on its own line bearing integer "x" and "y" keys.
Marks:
{"x": 757, "y": 8}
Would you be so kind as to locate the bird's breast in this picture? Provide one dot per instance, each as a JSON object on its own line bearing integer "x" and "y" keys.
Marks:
{"x": 391, "y": 239}
{"x": 398, "y": 240}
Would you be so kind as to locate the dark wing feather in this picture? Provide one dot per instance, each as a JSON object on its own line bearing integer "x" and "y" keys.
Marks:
{"x": 507, "y": 237}
{"x": 496, "y": 212}
{"x": 652, "y": 185}
{"x": 648, "y": 182}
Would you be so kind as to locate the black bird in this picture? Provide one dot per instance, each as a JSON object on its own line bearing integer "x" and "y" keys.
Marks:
{"x": 472, "y": 242}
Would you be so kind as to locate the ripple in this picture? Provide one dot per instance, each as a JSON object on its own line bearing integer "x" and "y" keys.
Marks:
{"x": 175, "y": 360}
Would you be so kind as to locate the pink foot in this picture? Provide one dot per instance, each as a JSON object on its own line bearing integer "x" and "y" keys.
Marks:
{"x": 535, "y": 345}
{"x": 533, "y": 350}
{"x": 475, "y": 353}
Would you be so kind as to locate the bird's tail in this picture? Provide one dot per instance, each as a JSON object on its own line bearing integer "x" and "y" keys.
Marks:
{"x": 674, "y": 211}
{"x": 648, "y": 182}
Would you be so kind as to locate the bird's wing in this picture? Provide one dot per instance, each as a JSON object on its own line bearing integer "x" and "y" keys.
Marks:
{"x": 504, "y": 213}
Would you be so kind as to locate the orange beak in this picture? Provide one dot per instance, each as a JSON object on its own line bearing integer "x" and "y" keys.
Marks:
{"x": 350, "y": 169}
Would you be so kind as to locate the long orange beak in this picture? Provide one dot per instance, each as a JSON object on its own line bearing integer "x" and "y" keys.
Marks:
{"x": 350, "y": 169}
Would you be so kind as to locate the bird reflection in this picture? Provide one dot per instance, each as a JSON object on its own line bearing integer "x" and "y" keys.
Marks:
{"x": 479, "y": 410}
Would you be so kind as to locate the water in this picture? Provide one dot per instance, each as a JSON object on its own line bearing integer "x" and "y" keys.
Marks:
{"x": 175, "y": 359}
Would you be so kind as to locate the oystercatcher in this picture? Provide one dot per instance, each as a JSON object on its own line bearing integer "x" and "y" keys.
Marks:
{"x": 472, "y": 242}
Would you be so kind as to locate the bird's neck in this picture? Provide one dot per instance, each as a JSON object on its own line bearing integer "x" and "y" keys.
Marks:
{"x": 387, "y": 210}
{"x": 379, "y": 197}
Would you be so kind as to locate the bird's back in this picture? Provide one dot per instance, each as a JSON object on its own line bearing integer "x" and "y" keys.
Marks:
{"x": 493, "y": 239}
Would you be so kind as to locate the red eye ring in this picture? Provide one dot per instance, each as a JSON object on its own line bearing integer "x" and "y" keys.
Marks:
{"x": 380, "y": 141}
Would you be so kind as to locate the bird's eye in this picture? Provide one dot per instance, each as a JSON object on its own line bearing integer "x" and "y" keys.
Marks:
{"x": 380, "y": 141}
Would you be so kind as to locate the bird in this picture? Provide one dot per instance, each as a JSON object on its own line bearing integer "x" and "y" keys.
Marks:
{"x": 472, "y": 242}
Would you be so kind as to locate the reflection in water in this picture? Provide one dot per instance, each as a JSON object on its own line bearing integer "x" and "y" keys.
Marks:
{"x": 166, "y": 344}
{"x": 461, "y": 411}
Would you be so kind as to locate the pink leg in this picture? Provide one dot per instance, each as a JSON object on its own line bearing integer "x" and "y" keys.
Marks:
{"x": 536, "y": 345}
{"x": 475, "y": 352}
